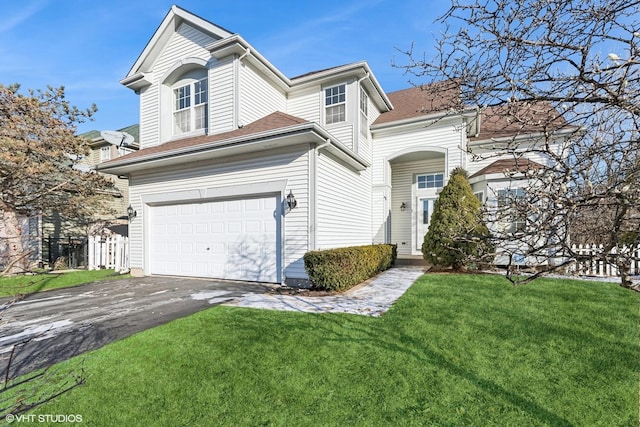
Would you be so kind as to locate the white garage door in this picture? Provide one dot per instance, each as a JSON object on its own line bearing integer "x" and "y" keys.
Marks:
{"x": 231, "y": 239}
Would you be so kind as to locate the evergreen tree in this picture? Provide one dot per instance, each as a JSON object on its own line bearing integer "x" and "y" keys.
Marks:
{"x": 457, "y": 235}
{"x": 38, "y": 150}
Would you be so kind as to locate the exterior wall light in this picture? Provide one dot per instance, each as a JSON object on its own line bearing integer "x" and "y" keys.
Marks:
{"x": 403, "y": 206}
{"x": 131, "y": 213}
{"x": 291, "y": 200}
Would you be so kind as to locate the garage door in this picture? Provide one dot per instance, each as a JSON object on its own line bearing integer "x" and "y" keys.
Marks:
{"x": 231, "y": 239}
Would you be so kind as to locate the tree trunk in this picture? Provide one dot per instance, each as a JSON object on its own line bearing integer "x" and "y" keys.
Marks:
{"x": 625, "y": 278}
{"x": 14, "y": 255}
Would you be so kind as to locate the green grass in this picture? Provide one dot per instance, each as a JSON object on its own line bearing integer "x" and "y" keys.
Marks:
{"x": 27, "y": 284}
{"x": 454, "y": 350}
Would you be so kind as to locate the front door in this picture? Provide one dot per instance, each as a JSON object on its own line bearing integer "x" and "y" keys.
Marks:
{"x": 424, "y": 212}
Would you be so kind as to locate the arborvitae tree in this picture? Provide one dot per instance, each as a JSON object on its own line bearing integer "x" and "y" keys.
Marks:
{"x": 457, "y": 235}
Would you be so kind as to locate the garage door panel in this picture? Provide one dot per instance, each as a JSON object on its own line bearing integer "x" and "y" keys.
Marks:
{"x": 234, "y": 206}
{"x": 171, "y": 211}
{"x": 234, "y": 227}
{"x": 233, "y": 239}
{"x": 201, "y": 209}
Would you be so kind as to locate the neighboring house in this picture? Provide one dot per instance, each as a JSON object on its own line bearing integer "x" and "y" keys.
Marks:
{"x": 66, "y": 237}
{"x": 227, "y": 141}
{"x": 103, "y": 151}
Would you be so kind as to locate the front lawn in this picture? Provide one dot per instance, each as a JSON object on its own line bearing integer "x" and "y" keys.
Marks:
{"x": 27, "y": 284}
{"x": 455, "y": 350}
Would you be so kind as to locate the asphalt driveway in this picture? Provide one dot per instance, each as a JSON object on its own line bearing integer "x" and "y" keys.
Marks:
{"x": 53, "y": 326}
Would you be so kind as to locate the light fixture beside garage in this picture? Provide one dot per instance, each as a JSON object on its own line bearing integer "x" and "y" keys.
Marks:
{"x": 291, "y": 200}
{"x": 403, "y": 206}
{"x": 131, "y": 213}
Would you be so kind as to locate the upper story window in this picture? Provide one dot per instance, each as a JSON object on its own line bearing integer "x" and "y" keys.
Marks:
{"x": 335, "y": 104}
{"x": 364, "y": 112}
{"x": 123, "y": 151}
{"x": 105, "y": 153}
{"x": 190, "y": 107}
{"x": 433, "y": 180}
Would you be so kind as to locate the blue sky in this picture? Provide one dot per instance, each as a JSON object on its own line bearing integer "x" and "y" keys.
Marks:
{"x": 89, "y": 46}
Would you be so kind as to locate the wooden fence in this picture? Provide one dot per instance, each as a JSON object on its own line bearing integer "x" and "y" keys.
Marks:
{"x": 588, "y": 266}
{"x": 108, "y": 252}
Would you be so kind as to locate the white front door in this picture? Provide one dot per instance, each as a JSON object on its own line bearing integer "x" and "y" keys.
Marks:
{"x": 424, "y": 211}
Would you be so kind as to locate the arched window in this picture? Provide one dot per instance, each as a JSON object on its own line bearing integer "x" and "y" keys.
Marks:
{"x": 190, "y": 102}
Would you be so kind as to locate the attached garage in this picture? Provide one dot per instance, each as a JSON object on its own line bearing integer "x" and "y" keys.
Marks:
{"x": 236, "y": 239}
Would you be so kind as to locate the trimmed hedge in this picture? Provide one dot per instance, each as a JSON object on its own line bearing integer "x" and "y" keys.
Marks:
{"x": 342, "y": 268}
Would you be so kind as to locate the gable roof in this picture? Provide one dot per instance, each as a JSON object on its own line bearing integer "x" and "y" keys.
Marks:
{"x": 508, "y": 165}
{"x": 169, "y": 24}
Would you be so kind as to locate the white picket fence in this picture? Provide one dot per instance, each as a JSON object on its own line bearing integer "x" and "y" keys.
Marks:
{"x": 108, "y": 252}
{"x": 591, "y": 267}
{"x": 113, "y": 253}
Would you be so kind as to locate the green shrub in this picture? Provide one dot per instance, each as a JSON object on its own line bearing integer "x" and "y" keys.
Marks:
{"x": 457, "y": 236}
{"x": 342, "y": 268}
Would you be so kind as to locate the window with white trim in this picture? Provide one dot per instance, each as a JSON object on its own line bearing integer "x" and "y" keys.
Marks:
{"x": 123, "y": 151}
{"x": 190, "y": 107}
{"x": 335, "y": 98}
{"x": 105, "y": 153}
{"x": 508, "y": 205}
{"x": 364, "y": 112}
{"x": 432, "y": 180}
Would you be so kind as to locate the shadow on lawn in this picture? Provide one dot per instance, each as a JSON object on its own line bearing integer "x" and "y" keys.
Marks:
{"x": 389, "y": 336}
{"x": 30, "y": 376}
{"x": 21, "y": 291}
{"x": 387, "y": 333}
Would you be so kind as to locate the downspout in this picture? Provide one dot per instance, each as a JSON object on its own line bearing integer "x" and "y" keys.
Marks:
{"x": 237, "y": 111}
{"x": 477, "y": 122}
{"x": 313, "y": 192}
{"x": 324, "y": 144}
{"x": 475, "y": 135}
{"x": 356, "y": 136}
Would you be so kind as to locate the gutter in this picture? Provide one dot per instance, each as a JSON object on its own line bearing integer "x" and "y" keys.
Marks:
{"x": 427, "y": 117}
{"x": 520, "y": 137}
{"x": 330, "y": 142}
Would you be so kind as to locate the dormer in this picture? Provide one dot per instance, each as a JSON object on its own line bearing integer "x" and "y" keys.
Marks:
{"x": 184, "y": 96}
{"x": 172, "y": 75}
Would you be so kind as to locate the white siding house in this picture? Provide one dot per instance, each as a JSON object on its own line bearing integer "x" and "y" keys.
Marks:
{"x": 242, "y": 170}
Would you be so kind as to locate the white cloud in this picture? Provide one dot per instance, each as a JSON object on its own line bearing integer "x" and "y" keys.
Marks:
{"x": 309, "y": 34}
{"x": 12, "y": 18}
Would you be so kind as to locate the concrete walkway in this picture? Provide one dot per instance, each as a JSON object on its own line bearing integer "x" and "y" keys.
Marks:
{"x": 371, "y": 298}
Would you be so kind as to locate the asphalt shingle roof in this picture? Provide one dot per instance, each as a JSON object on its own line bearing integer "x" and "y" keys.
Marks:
{"x": 273, "y": 121}
{"x": 508, "y": 165}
